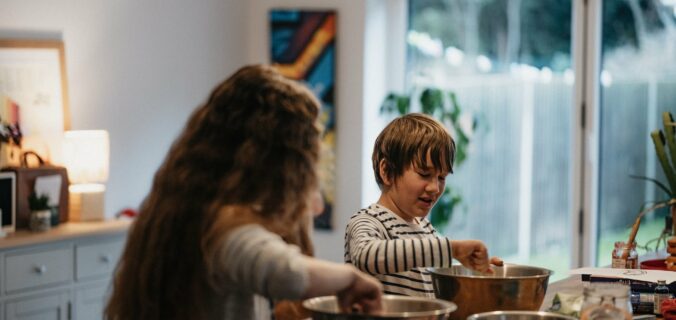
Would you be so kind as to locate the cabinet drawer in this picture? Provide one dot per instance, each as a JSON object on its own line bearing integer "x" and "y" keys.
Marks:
{"x": 36, "y": 269}
{"x": 97, "y": 260}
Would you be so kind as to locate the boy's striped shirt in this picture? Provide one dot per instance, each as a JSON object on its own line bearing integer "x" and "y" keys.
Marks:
{"x": 379, "y": 242}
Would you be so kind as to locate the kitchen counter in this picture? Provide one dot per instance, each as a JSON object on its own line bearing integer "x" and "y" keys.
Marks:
{"x": 64, "y": 231}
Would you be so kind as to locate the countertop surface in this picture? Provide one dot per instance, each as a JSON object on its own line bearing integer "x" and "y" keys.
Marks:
{"x": 64, "y": 231}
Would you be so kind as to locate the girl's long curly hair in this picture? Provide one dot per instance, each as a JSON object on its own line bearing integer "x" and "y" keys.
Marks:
{"x": 248, "y": 155}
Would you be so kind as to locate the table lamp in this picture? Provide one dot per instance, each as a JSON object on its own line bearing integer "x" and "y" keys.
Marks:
{"x": 86, "y": 154}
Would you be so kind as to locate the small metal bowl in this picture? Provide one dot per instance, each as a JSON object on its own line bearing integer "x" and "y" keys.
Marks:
{"x": 394, "y": 307}
{"x": 519, "y": 315}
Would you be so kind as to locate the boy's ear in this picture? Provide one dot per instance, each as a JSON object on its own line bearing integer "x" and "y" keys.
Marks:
{"x": 383, "y": 170}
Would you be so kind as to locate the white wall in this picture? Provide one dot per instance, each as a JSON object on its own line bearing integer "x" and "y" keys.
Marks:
{"x": 136, "y": 69}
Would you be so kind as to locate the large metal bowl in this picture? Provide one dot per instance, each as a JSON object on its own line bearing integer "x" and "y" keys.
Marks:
{"x": 394, "y": 307}
{"x": 511, "y": 287}
{"x": 519, "y": 315}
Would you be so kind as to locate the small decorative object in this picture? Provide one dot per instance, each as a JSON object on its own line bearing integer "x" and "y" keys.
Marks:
{"x": 41, "y": 213}
{"x": 127, "y": 213}
{"x": 630, "y": 262}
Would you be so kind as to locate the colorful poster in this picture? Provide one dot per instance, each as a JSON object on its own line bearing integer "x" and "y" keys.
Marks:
{"x": 303, "y": 47}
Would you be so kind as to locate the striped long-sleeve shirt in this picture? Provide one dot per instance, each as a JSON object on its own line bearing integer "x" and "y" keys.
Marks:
{"x": 379, "y": 242}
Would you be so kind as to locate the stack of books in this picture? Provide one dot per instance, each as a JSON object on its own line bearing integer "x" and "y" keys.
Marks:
{"x": 642, "y": 283}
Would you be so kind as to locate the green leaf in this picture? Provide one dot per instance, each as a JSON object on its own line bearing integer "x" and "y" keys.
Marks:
{"x": 403, "y": 104}
{"x": 658, "y": 141}
{"x": 442, "y": 213}
{"x": 36, "y": 202}
{"x": 432, "y": 101}
{"x": 395, "y": 104}
{"x": 670, "y": 133}
{"x": 655, "y": 181}
{"x": 455, "y": 113}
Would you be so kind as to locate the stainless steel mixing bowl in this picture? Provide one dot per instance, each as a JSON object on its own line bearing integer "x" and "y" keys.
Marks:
{"x": 511, "y": 287}
{"x": 519, "y": 315}
{"x": 394, "y": 307}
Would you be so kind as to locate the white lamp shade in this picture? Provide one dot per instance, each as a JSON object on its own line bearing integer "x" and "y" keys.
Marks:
{"x": 86, "y": 154}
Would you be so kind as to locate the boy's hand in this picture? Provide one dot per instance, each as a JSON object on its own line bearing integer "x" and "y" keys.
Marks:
{"x": 473, "y": 254}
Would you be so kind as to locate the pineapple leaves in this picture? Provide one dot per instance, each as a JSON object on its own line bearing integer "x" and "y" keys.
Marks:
{"x": 655, "y": 181}
{"x": 659, "y": 142}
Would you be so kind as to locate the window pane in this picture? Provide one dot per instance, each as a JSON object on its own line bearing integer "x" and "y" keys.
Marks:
{"x": 638, "y": 83}
{"x": 509, "y": 64}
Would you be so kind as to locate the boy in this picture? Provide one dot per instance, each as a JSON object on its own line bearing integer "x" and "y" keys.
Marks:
{"x": 392, "y": 239}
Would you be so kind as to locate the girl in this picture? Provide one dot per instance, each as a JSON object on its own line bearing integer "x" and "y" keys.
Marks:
{"x": 217, "y": 236}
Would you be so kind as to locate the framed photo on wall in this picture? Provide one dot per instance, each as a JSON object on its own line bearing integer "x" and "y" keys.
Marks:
{"x": 34, "y": 93}
{"x": 303, "y": 48}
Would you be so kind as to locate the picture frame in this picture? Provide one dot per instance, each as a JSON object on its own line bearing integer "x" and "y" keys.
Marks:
{"x": 303, "y": 48}
{"x": 8, "y": 201}
{"x": 34, "y": 93}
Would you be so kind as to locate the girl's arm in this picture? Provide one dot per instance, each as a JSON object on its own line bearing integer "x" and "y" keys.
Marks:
{"x": 349, "y": 284}
{"x": 255, "y": 260}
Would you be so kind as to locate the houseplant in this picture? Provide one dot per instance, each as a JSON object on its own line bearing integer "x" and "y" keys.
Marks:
{"x": 41, "y": 212}
{"x": 664, "y": 142}
{"x": 444, "y": 106}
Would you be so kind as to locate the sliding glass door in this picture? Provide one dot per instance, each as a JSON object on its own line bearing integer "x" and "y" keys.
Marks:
{"x": 509, "y": 66}
{"x": 555, "y": 101}
{"x": 637, "y": 84}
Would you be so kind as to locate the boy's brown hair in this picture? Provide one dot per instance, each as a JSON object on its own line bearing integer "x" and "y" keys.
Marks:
{"x": 406, "y": 141}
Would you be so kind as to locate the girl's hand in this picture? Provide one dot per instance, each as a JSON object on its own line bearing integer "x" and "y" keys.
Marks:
{"x": 363, "y": 295}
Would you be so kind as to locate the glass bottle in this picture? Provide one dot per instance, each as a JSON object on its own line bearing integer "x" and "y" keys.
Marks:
{"x": 661, "y": 293}
{"x": 631, "y": 262}
{"x": 606, "y": 301}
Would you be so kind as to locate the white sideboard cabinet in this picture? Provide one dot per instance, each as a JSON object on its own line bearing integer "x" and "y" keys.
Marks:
{"x": 63, "y": 273}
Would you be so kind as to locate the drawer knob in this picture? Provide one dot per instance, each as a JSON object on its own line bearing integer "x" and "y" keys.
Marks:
{"x": 105, "y": 258}
{"x": 41, "y": 269}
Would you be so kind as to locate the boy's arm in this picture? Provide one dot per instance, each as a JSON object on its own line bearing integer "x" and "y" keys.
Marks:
{"x": 473, "y": 254}
{"x": 370, "y": 251}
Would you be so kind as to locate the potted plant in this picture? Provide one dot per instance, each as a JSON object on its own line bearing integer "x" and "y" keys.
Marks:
{"x": 444, "y": 106}
{"x": 41, "y": 212}
{"x": 665, "y": 149}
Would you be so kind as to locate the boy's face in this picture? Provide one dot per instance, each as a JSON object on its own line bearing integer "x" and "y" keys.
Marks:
{"x": 414, "y": 193}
